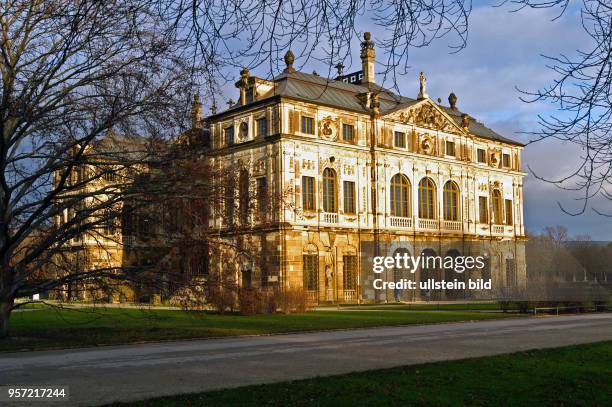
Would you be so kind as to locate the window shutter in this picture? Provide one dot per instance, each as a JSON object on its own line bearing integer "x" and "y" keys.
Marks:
{"x": 296, "y": 121}
{"x": 388, "y": 142}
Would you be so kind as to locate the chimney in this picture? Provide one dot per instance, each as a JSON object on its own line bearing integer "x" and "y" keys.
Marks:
{"x": 367, "y": 58}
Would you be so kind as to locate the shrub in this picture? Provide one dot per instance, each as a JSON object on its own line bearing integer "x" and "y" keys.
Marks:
{"x": 292, "y": 300}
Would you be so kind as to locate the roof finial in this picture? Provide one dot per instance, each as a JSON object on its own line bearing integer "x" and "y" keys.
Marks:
{"x": 340, "y": 68}
{"x": 452, "y": 101}
{"x": 289, "y": 59}
{"x": 422, "y": 87}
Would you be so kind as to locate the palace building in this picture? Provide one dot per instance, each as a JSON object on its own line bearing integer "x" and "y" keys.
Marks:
{"x": 351, "y": 165}
{"x": 329, "y": 173}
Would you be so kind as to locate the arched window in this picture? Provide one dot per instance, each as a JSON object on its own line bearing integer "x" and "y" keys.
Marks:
{"x": 427, "y": 199}
{"x": 498, "y": 212}
{"x": 451, "y": 201}
{"x": 400, "y": 196}
{"x": 329, "y": 190}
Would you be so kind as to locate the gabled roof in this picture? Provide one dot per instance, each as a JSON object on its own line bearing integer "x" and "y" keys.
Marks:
{"x": 319, "y": 90}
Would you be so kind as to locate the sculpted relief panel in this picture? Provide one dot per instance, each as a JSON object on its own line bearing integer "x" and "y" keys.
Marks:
{"x": 425, "y": 115}
{"x": 329, "y": 128}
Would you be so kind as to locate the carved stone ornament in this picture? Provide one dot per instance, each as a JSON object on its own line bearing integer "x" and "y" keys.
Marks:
{"x": 328, "y": 163}
{"x": 426, "y": 115}
{"x": 243, "y": 130}
{"x": 260, "y": 166}
{"x": 427, "y": 145}
{"x": 494, "y": 157}
{"x": 328, "y": 128}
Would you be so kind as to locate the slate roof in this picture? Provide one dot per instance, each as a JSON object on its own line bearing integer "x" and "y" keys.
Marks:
{"x": 330, "y": 92}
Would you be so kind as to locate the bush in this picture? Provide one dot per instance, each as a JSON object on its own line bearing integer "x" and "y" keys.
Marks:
{"x": 256, "y": 301}
{"x": 221, "y": 298}
{"x": 292, "y": 300}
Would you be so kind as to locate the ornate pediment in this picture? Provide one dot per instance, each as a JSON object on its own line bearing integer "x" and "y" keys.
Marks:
{"x": 426, "y": 114}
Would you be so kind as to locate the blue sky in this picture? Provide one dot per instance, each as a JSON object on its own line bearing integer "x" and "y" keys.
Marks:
{"x": 504, "y": 53}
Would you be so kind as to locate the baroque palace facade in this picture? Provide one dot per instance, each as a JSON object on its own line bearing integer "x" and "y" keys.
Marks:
{"x": 332, "y": 170}
{"x": 354, "y": 163}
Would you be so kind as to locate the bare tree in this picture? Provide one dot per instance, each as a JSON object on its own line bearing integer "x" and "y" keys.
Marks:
{"x": 73, "y": 71}
{"x": 222, "y": 34}
{"x": 581, "y": 92}
{"x": 78, "y": 72}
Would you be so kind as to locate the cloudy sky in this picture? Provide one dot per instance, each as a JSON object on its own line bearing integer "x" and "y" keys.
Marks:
{"x": 504, "y": 53}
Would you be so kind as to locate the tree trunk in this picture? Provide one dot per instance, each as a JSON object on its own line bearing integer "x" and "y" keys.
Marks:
{"x": 5, "y": 313}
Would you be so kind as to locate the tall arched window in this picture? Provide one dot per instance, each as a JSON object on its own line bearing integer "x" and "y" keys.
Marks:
{"x": 498, "y": 211}
{"x": 451, "y": 201}
{"x": 400, "y": 196}
{"x": 329, "y": 190}
{"x": 427, "y": 199}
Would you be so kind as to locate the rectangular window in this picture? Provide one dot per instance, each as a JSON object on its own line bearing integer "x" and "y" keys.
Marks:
{"x": 348, "y": 132}
{"x": 399, "y": 139}
{"x": 349, "y": 272}
{"x": 450, "y": 148}
{"x": 509, "y": 212}
{"x": 308, "y": 193}
{"x": 262, "y": 195}
{"x": 262, "y": 127}
{"x": 506, "y": 160}
{"x": 483, "y": 209}
{"x": 482, "y": 155}
{"x": 229, "y": 135}
{"x": 349, "y": 197}
{"x": 311, "y": 271}
{"x": 307, "y": 125}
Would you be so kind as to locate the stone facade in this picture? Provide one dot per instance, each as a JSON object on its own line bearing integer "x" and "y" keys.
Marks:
{"x": 351, "y": 163}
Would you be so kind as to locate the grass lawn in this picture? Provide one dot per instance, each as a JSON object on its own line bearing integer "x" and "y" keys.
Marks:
{"x": 433, "y": 306}
{"x": 38, "y": 329}
{"x": 570, "y": 376}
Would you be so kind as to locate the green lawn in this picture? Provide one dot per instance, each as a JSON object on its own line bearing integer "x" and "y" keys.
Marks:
{"x": 570, "y": 376}
{"x": 433, "y": 306}
{"x": 96, "y": 326}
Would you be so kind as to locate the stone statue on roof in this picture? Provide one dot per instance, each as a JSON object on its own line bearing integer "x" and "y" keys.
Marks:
{"x": 422, "y": 86}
